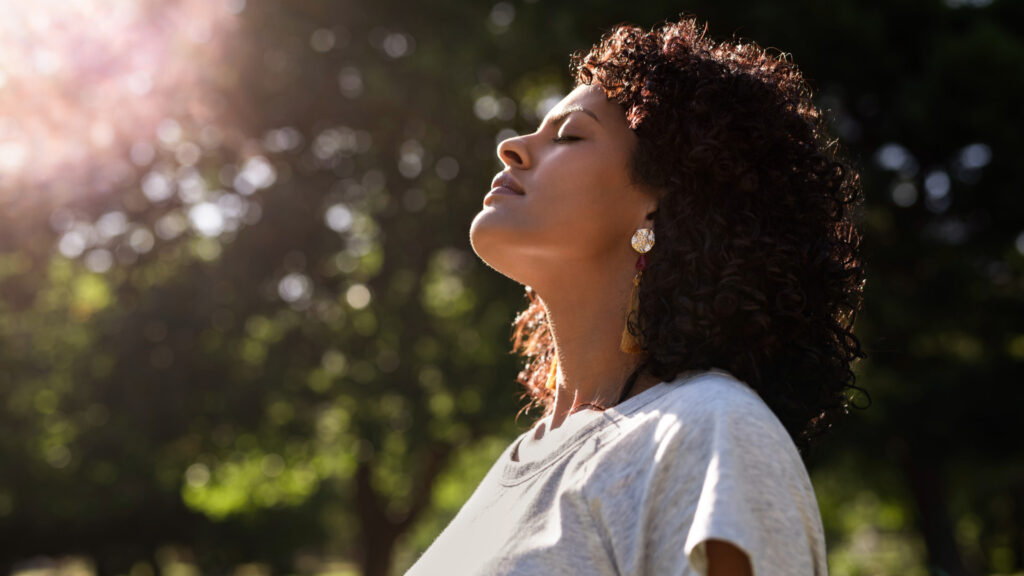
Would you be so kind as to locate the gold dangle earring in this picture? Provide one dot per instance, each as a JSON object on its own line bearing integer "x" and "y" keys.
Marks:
{"x": 643, "y": 241}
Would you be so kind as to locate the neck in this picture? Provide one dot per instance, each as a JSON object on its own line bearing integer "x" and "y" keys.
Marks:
{"x": 586, "y": 319}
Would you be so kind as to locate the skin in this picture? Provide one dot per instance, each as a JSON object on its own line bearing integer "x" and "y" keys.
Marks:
{"x": 568, "y": 238}
{"x": 724, "y": 559}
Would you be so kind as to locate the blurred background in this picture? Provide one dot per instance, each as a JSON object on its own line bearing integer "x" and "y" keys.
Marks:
{"x": 242, "y": 330}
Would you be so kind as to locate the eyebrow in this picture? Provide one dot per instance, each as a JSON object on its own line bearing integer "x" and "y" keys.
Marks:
{"x": 561, "y": 116}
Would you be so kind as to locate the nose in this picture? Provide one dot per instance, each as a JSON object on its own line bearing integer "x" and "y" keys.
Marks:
{"x": 512, "y": 152}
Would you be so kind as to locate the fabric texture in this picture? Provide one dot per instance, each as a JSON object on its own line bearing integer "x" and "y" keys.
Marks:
{"x": 639, "y": 489}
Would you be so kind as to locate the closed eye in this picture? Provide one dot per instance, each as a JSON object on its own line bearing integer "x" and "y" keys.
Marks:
{"x": 565, "y": 139}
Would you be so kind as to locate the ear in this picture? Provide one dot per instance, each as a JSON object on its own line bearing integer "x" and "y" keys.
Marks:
{"x": 651, "y": 209}
{"x": 646, "y": 206}
{"x": 650, "y": 216}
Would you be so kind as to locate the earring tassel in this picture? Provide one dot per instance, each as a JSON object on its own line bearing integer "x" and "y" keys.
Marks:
{"x": 630, "y": 344}
{"x": 553, "y": 374}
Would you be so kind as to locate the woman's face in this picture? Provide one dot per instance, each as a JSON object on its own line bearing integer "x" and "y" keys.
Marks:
{"x": 578, "y": 209}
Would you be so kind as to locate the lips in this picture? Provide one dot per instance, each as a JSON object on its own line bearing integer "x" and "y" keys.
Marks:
{"x": 505, "y": 180}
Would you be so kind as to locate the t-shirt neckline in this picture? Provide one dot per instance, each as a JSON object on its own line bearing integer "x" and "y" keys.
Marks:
{"x": 516, "y": 472}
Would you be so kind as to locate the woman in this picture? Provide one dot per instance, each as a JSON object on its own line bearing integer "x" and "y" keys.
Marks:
{"x": 683, "y": 227}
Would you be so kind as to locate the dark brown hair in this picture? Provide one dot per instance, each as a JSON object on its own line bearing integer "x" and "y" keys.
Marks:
{"x": 756, "y": 267}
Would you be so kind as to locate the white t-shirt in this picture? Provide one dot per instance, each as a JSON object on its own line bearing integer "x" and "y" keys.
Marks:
{"x": 639, "y": 489}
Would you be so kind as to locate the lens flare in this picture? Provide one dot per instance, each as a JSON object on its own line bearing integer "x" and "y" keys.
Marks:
{"x": 82, "y": 81}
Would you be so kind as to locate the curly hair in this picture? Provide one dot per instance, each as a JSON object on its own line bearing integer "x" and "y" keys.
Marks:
{"x": 756, "y": 269}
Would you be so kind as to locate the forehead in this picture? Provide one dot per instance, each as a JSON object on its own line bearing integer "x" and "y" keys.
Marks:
{"x": 593, "y": 98}
{"x": 590, "y": 93}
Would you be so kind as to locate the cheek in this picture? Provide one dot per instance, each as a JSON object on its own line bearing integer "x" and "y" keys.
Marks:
{"x": 590, "y": 175}
{"x": 590, "y": 217}
{"x": 599, "y": 187}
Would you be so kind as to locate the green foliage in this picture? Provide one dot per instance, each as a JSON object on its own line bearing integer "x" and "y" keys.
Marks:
{"x": 449, "y": 494}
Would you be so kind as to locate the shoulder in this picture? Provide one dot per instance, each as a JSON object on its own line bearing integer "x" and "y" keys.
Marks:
{"x": 712, "y": 402}
{"x": 708, "y": 460}
{"x": 702, "y": 417}
{"x": 711, "y": 394}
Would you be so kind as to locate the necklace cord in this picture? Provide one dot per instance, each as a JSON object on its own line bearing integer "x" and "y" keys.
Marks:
{"x": 631, "y": 380}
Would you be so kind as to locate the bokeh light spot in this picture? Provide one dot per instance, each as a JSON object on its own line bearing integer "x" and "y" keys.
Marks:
{"x": 322, "y": 40}
{"x": 295, "y": 287}
{"x": 338, "y": 218}
{"x": 206, "y": 219}
{"x": 503, "y": 14}
{"x": 350, "y": 82}
{"x": 197, "y": 475}
{"x": 99, "y": 260}
{"x": 447, "y": 168}
{"x": 358, "y": 296}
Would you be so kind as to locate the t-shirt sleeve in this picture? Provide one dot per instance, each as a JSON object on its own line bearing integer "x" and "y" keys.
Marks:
{"x": 731, "y": 473}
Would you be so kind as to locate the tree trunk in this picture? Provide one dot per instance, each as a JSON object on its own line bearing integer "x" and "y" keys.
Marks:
{"x": 378, "y": 533}
{"x": 927, "y": 485}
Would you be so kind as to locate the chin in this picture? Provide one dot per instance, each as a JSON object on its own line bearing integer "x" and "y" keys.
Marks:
{"x": 491, "y": 243}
